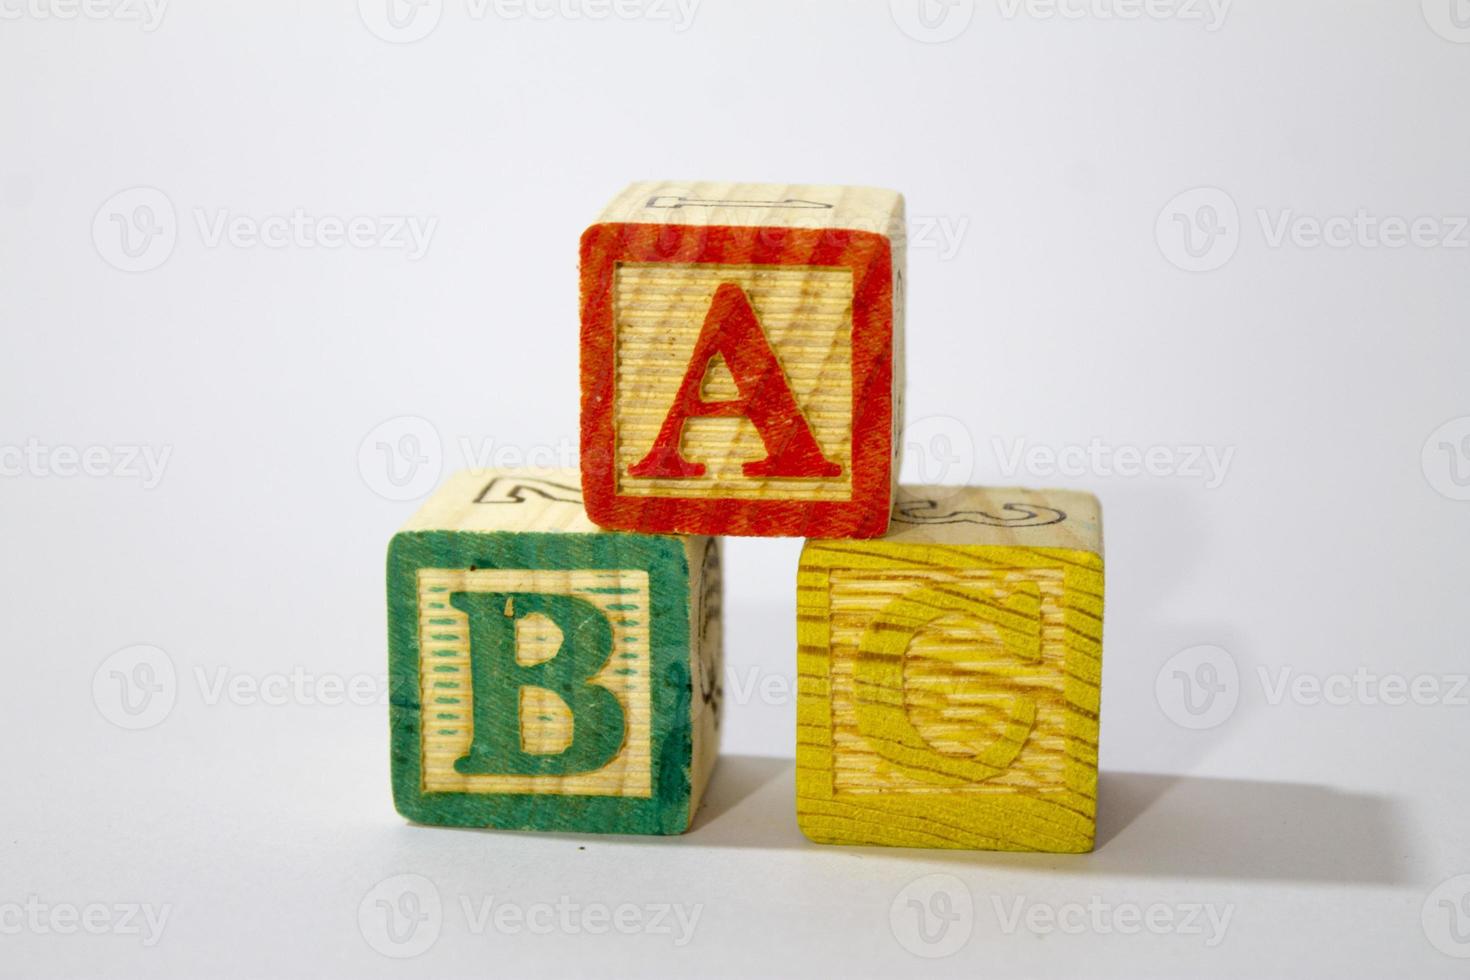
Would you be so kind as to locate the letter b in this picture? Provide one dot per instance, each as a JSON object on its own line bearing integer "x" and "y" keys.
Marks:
{"x": 598, "y": 721}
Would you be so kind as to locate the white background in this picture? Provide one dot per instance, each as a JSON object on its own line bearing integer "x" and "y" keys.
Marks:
{"x": 1051, "y": 305}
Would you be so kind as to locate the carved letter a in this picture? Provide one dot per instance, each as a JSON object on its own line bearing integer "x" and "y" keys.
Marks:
{"x": 732, "y": 331}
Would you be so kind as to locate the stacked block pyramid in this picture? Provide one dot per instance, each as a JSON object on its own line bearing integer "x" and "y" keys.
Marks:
{"x": 555, "y": 648}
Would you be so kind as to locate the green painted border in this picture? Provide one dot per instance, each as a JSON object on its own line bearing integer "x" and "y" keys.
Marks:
{"x": 667, "y": 810}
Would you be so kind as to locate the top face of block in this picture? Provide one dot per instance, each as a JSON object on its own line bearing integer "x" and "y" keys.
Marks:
{"x": 506, "y": 500}
{"x": 1007, "y": 517}
{"x": 741, "y": 368}
{"x": 664, "y": 202}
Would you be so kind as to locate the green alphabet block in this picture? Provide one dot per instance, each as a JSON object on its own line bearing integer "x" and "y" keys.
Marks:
{"x": 545, "y": 674}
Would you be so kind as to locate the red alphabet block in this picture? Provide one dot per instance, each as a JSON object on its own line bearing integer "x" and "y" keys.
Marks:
{"x": 741, "y": 368}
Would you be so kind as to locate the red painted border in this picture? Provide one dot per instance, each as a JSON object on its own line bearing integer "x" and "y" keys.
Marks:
{"x": 870, "y": 258}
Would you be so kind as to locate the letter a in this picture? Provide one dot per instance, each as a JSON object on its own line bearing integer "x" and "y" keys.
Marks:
{"x": 732, "y": 331}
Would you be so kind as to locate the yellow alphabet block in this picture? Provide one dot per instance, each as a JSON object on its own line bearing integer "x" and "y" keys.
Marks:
{"x": 950, "y": 675}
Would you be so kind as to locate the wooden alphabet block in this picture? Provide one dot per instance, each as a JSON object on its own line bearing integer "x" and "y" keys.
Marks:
{"x": 949, "y": 675}
{"x": 742, "y": 359}
{"x": 545, "y": 674}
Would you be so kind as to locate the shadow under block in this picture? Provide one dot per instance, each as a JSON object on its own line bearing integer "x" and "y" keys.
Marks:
{"x": 949, "y": 675}
{"x": 742, "y": 359}
{"x": 545, "y": 674}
